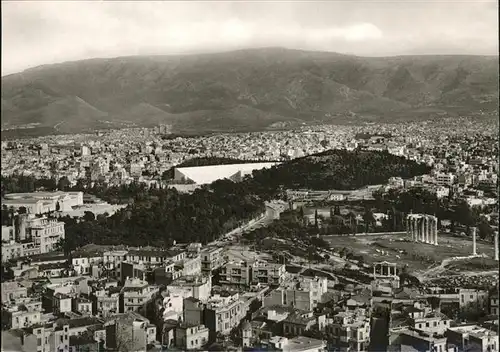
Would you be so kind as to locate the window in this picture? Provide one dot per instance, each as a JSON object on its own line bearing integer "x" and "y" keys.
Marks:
{"x": 426, "y": 325}
{"x": 192, "y": 342}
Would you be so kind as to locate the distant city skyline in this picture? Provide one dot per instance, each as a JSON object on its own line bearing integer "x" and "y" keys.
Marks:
{"x": 37, "y": 33}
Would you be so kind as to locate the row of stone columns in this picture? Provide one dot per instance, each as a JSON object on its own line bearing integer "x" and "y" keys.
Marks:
{"x": 387, "y": 272}
{"x": 422, "y": 228}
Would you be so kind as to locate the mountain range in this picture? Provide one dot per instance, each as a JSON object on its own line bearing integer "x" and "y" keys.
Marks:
{"x": 244, "y": 90}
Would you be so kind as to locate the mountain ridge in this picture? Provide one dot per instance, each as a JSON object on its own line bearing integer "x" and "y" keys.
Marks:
{"x": 266, "y": 86}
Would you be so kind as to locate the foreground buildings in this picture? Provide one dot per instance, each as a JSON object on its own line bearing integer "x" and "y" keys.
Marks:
{"x": 110, "y": 307}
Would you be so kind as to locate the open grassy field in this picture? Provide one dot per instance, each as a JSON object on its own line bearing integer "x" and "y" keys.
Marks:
{"x": 419, "y": 256}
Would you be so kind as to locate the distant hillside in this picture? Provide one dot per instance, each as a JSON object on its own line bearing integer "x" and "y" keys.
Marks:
{"x": 246, "y": 90}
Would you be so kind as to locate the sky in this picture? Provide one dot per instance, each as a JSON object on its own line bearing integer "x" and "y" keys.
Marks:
{"x": 44, "y": 32}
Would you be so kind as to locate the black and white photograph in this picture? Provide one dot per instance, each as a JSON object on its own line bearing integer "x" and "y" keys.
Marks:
{"x": 294, "y": 176}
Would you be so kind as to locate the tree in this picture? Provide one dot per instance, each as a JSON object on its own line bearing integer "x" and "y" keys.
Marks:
{"x": 336, "y": 210}
{"x": 485, "y": 230}
{"x": 58, "y": 206}
{"x": 316, "y": 218}
{"x": 88, "y": 216}
{"x": 368, "y": 218}
{"x": 22, "y": 210}
{"x": 63, "y": 183}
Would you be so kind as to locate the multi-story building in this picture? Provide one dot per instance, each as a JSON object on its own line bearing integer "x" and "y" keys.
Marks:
{"x": 11, "y": 250}
{"x": 473, "y": 298}
{"x": 301, "y": 292}
{"x": 191, "y": 336}
{"x": 433, "y": 323}
{"x": 297, "y": 323}
{"x": 112, "y": 261}
{"x": 351, "y": 330}
{"x": 106, "y": 302}
{"x": 299, "y": 343}
{"x": 222, "y": 314}
{"x": 494, "y": 304}
{"x": 23, "y": 315}
{"x": 410, "y": 340}
{"x": 268, "y": 273}
{"x": 444, "y": 179}
{"x": 237, "y": 273}
{"x": 12, "y": 291}
{"x": 136, "y": 293}
{"x": 211, "y": 259}
{"x": 42, "y": 232}
{"x": 82, "y": 262}
{"x": 82, "y": 306}
{"x": 61, "y": 303}
{"x": 198, "y": 287}
{"x": 129, "y": 332}
{"x": 473, "y": 338}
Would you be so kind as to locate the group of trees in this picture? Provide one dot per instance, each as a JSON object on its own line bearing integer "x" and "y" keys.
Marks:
{"x": 23, "y": 184}
{"x": 416, "y": 200}
{"x": 339, "y": 169}
{"x": 158, "y": 217}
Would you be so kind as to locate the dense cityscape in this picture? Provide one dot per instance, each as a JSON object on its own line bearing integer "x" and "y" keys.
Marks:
{"x": 249, "y": 176}
{"x": 410, "y": 263}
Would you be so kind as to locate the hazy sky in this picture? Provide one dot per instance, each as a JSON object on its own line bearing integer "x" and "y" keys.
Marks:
{"x": 42, "y": 32}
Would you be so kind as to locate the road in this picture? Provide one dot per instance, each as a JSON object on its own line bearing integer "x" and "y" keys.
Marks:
{"x": 273, "y": 209}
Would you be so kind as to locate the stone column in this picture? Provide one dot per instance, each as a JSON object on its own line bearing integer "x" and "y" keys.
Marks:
{"x": 426, "y": 229}
{"x": 436, "y": 231}
{"x": 422, "y": 229}
{"x": 495, "y": 241}
{"x": 414, "y": 229}
{"x": 474, "y": 249}
{"x": 407, "y": 224}
{"x": 417, "y": 227}
{"x": 410, "y": 223}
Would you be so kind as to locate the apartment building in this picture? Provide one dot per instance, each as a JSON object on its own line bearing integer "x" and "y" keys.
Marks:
{"x": 129, "y": 331}
{"x": 23, "y": 315}
{"x": 222, "y": 314}
{"x": 43, "y": 232}
{"x": 83, "y": 262}
{"x": 236, "y": 273}
{"x": 473, "y": 338}
{"x": 494, "y": 304}
{"x": 12, "y": 291}
{"x": 473, "y": 298}
{"x": 191, "y": 336}
{"x": 62, "y": 303}
{"x": 135, "y": 294}
{"x": 106, "y": 302}
{"x": 444, "y": 179}
{"x": 268, "y": 273}
{"x": 198, "y": 287}
{"x": 300, "y": 292}
{"x": 211, "y": 259}
{"x": 12, "y": 250}
{"x": 351, "y": 330}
